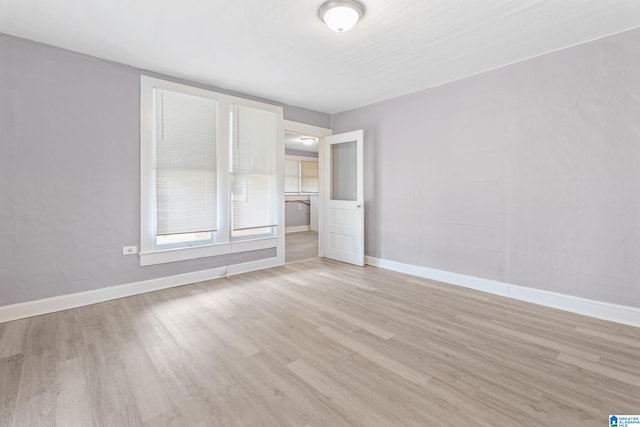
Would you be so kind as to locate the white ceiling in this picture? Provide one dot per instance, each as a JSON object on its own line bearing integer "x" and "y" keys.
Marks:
{"x": 280, "y": 50}
{"x": 292, "y": 141}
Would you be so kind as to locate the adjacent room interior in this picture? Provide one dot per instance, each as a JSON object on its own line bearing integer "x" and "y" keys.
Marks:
{"x": 301, "y": 190}
{"x": 320, "y": 213}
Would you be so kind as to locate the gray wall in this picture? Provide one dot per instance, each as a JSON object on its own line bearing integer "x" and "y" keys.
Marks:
{"x": 69, "y": 174}
{"x": 529, "y": 174}
{"x": 297, "y": 213}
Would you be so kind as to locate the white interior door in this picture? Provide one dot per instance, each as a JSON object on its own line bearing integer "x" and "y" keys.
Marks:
{"x": 344, "y": 197}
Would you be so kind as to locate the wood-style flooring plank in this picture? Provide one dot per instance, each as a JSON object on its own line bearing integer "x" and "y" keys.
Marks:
{"x": 390, "y": 364}
{"x": 359, "y": 413}
{"x": 12, "y": 338}
{"x": 316, "y": 343}
{"x": 301, "y": 246}
{"x": 10, "y": 373}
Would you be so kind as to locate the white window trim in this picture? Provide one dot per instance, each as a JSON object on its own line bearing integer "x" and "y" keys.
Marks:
{"x": 301, "y": 158}
{"x": 149, "y": 253}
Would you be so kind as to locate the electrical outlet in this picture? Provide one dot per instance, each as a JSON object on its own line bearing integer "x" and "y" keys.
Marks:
{"x": 129, "y": 250}
{"x": 299, "y": 206}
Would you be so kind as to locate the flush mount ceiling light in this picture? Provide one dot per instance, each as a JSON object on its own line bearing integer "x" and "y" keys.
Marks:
{"x": 341, "y": 15}
{"x": 308, "y": 140}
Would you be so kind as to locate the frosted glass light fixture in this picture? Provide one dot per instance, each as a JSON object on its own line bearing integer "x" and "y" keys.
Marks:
{"x": 308, "y": 140}
{"x": 341, "y": 15}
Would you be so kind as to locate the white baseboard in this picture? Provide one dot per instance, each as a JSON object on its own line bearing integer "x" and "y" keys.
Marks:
{"x": 66, "y": 302}
{"x": 247, "y": 267}
{"x": 297, "y": 228}
{"x": 602, "y": 310}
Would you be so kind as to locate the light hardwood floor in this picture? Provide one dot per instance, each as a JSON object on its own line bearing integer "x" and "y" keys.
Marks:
{"x": 301, "y": 246}
{"x": 317, "y": 343}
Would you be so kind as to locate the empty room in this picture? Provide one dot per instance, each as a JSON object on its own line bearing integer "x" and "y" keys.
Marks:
{"x": 320, "y": 213}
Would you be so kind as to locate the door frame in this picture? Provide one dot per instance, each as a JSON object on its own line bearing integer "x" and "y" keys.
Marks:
{"x": 356, "y": 257}
{"x": 320, "y": 133}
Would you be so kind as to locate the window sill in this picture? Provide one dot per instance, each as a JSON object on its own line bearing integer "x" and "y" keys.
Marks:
{"x": 184, "y": 254}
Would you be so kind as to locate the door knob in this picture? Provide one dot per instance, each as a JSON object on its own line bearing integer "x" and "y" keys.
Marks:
{"x": 358, "y": 206}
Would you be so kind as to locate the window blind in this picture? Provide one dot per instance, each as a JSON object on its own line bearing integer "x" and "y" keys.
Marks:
{"x": 291, "y": 176}
{"x": 254, "y": 202}
{"x": 185, "y": 166}
{"x": 309, "y": 177}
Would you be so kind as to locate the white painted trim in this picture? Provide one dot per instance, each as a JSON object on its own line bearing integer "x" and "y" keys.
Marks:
{"x": 183, "y": 254}
{"x": 248, "y": 267}
{"x": 601, "y": 310}
{"x": 305, "y": 129}
{"x": 253, "y": 245}
{"x": 297, "y": 228}
{"x": 356, "y": 208}
{"x": 280, "y": 248}
{"x": 321, "y": 190}
{"x": 300, "y": 158}
{"x": 80, "y": 299}
{"x": 321, "y": 133}
{"x": 298, "y": 197}
{"x": 150, "y": 253}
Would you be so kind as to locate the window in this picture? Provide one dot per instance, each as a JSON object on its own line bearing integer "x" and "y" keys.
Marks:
{"x": 253, "y": 172}
{"x": 209, "y": 173}
{"x": 292, "y": 176}
{"x": 300, "y": 176}
{"x": 185, "y": 149}
{"x": 309, "y": 176}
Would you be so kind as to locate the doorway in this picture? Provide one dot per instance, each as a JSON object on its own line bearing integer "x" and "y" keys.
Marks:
{"x": 303, "y": 186}
{"x": 343, "y": 199}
